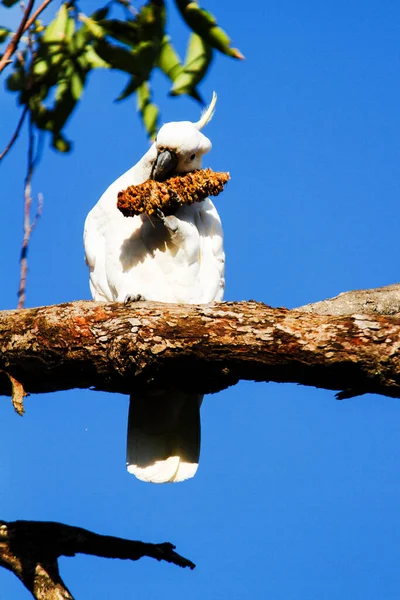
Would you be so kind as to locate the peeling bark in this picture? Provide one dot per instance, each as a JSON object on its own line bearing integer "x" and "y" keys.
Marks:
{"x": 30, "y": 550}
{"x": 199, "y": 348}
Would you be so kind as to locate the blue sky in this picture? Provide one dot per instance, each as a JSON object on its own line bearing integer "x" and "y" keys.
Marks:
{"x": 297, "y": 495}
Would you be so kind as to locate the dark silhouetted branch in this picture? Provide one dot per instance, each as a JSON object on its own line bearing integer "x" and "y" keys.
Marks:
{"x": 30, "y": 549}
{"x": 15, "y": 134}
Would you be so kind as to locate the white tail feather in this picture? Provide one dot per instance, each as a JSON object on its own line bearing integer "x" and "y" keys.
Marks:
{"x": 163, "y": 436}
{"x": 207, "y": 114}
{"x": 172, "y": 470}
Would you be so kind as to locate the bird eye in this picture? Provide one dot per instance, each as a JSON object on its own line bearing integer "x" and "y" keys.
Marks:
{"x": 193, "y": 157}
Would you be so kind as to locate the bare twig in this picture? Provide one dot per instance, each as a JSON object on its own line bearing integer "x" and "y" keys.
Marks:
{"x": 10, "y": 50}
{"x": 30, "y": 550}
{"x": 35, "y": 15}
{"x": 12, "y": 46}
{"x": 16, "y": 133}
{"x": 28, "y": 224}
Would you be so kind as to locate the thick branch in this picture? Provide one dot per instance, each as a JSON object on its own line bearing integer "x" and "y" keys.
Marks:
{"x": 377, "y": 301}
{"x": 30, "y": 550}
{"x": 202, "y": 348}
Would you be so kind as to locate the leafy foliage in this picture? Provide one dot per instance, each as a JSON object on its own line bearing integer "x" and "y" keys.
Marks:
{"x": 51, "y": 69}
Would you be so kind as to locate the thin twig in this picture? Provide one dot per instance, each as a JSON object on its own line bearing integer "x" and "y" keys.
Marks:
{"x": 28, "y": 224}
{"x": 130, "y": 9}
{"x": 12, "y": 46}
{"x": 35, "y": 15}
{"x": 15, "y": 134}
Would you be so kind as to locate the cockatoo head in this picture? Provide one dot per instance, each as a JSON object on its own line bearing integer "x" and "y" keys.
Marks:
{"x": 180, "y": 145}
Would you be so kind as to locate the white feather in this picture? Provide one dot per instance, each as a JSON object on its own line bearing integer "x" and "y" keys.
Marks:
{"x": 208, "y": 113}
{"x": 164, "y": 435}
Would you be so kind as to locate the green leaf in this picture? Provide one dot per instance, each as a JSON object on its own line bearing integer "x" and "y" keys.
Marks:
{"x": 198, "y": 59}
{"x": 60, "y": 143}
{"x": 4, "y": 33}
{"x": 129, "y": 89}
{"x": 15, "y": 81}
{"x": 64, "y": 104}
{"x": 39, "y": 112}
{"x": 151, "y": 21}
{"x": 170, "y": 65}
{"x": 69, "y": 29}
{"x": 202, "y": 16}
{"x": 82, "y": 64}
{"x": 144, "y": 57}
{"x": 47, "y": 69}
{"x": 116, "y": 56}
{"x": 148, "y": 110}
{"x": 205, "y": 25}
{"x": 77, "y": 84}
{"x": 94, "y": 27}
{"x": 40, "y": 67}
{"x": 100, "y": 14}
{"x": 9, "y": 3}
{"x": 55, "y": 31}
{"x": 125, "y": 32}
{"x": 94, "y": 60}
{"x": 82, "y": 38}
{"x": 168, "y": 59}
{"x": 150, "y": 118}
{"x": 62, "y": 89}
{"x": 84, "y": 34}
{"x": 91, "y": 28}
{"x": 52, "y": 53}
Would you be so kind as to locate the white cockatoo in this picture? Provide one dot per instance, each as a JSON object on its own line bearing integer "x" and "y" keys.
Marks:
{"x": 179, "y": 259}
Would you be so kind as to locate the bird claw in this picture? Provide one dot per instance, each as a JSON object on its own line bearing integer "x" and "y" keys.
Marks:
{"x": 134, "y": 298}
{"x": 160, "y": 215}
{"x": 170, "y": 222}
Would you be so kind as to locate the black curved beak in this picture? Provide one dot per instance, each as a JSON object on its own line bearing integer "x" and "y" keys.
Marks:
{"x": 164, "y": 165}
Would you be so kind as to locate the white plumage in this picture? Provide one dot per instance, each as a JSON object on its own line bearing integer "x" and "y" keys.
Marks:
{"x": 178, "y": 259}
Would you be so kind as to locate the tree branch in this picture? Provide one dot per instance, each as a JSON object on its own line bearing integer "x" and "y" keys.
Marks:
{"x": 30, "y": 550}
{"x": 15, "y": 134}
{"x": 35, "y": 15}
{"x": 377, "y": 301}
{"x": 29, "y": 224}
{"x": 13, "y": 45}
{"x": 203, "y": 348}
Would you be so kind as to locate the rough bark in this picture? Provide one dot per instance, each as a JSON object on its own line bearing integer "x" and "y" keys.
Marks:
{"x": 377, "y": 301}
{"x": 202, "y": 348}
{"x": 30, "y": 550}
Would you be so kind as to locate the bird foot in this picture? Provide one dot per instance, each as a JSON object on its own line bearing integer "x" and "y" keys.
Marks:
{"x": 170, "y": 222}
{"x": 134, "y": 298}
{"x": 159, "y": 214}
